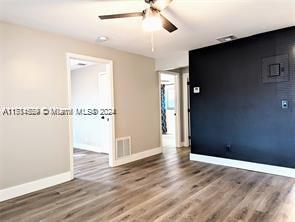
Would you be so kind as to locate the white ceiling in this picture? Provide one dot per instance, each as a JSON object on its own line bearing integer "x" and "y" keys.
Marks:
{"x": 200, "y": 22}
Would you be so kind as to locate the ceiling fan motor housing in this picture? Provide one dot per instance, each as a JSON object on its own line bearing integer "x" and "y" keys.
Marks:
{"x": 150, "y": 1}
{"x": 150, "y": 12}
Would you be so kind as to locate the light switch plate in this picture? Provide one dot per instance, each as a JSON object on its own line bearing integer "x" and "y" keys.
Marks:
{"x": 197, "y": 89}
{"x": 285, "y": 104}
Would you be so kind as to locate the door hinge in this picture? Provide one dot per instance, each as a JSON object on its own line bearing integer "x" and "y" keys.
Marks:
{"x": 189, "y": 137}
{"x": 188, "y": 83}
{"x": 189, "y": 110}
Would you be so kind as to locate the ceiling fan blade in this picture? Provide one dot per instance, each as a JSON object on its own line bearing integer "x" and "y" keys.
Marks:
{"x": 124, "y": 15}
{"x": 168, "y": 25}
{"x": 161, "y": 4}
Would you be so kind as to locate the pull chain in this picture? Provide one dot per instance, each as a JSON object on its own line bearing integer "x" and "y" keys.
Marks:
{"x": 152, "y": 41}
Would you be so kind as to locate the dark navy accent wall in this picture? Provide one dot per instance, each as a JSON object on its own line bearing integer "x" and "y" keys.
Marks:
{"x": 236, "y": 115}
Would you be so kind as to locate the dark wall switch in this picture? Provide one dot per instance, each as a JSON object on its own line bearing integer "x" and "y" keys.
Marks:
{"x": 285, "y": 104}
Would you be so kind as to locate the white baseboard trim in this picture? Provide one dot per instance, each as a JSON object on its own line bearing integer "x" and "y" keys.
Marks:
{"x": 138, "y": 156}
{"x": 276, "y": 170}
{"x": 86, "y": 147}
{"x": 19, "y": 190}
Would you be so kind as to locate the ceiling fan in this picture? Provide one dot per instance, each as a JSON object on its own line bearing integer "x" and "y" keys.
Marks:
{"x": 153, "y": 20}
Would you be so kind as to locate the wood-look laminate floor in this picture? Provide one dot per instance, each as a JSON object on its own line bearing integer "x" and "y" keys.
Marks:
{"x": 165, "y": 187}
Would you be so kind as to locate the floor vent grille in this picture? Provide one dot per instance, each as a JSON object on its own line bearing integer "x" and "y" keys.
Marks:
{"x": 123, "y": 147}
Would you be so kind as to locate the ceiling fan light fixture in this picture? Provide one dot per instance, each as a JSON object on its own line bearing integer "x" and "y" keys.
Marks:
{"x": 151, "y": 20}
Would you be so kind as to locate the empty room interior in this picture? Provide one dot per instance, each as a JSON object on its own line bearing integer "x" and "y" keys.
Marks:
{"x": 147, "y": 110}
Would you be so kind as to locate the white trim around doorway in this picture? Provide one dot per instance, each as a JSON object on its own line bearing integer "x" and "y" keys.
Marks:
{"x": 185, "y": 79}
{"x": 177, "y": 107}
{"x": 112, "y": 130}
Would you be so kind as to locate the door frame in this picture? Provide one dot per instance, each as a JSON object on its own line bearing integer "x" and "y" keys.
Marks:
{"x": 186, "y": 107}
{"x": 108, "y": 62}
{"x": 177, "y": 106}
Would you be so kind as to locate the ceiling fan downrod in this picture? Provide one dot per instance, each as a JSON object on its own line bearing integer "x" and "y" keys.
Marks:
{"x": 152, "y": 41}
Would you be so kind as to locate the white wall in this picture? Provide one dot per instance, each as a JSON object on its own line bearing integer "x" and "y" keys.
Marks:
{"x": 1, "y": 105}
{"x": 33, "y": 73}
{"x": 172, "y": 61}
{"x": 87, "y": 130}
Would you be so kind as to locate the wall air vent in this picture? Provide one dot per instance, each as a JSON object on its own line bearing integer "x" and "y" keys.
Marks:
{"x": 123, "y": 147}
{"x": 81, "y": 64}
{"x": 226, "y": 38}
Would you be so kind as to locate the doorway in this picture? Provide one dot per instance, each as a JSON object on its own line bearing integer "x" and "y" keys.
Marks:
{"x": 169, "y": 109}
{"x": 91, "y": 98}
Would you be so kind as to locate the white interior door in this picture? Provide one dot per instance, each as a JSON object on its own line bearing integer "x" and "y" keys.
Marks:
{"x": 106, "y": 110}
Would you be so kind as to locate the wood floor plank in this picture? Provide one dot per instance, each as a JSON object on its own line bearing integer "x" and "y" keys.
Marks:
{"x": 166, "y": 187}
